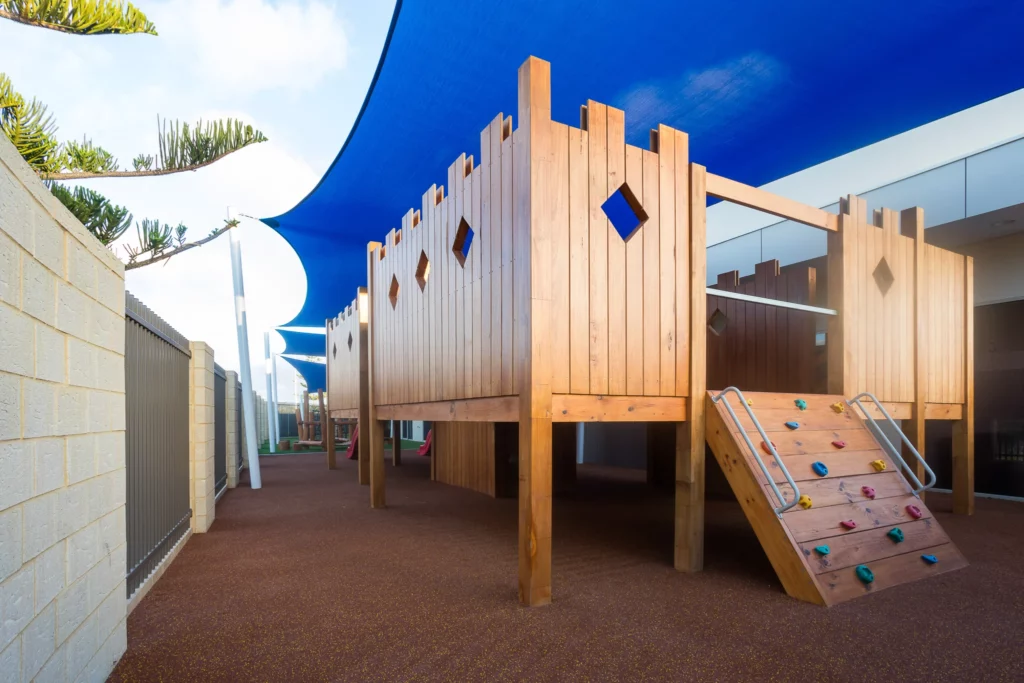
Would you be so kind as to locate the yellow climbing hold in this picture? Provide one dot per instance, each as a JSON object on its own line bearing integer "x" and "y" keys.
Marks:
{"x": 838, "y": 407}
{"x": 879, "y": 465}
{"x": 749, "y": 402}
{"x": 805, "y": 501}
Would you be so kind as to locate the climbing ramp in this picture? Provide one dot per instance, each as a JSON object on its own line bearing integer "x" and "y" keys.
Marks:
{"x": 854, "y": 525}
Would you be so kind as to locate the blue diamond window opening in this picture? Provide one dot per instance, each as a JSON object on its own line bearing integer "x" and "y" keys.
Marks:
{"x": 624, "y": 212}
{"x": 463, "y": 241}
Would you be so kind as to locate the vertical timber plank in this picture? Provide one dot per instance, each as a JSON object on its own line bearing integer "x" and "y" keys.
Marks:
{"x": 652, "y": 280}
{"x": 375, "y": 429}
{"x": 597, "y": 128}
{"x": 579, "y": 262}
{"x": 963, "y": 429}
{"x": 635, "y": 282}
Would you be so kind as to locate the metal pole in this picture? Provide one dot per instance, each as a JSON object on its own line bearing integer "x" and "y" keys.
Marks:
{"x": 245, "y": 368}
{"x": 273, "y": 384}
{"x": 270, "y": 395}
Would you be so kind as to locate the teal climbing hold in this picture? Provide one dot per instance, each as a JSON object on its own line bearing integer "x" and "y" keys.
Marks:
{"x": 865, "y": 574}
{"x": 801, "y": 404}
{"x": 822, "y": 550}
{"x": 896, "y": 534}
{"x": 793, "y": 425}
{"x": 820, "y": 469}
{"x": 930, "y": 559}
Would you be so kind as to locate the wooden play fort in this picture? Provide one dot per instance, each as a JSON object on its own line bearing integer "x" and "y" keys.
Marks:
{"x": 562, "y": 279}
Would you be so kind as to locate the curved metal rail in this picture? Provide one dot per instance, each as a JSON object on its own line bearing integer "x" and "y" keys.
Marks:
{"x": 757, "y": 455}
{"x": 894, "y": 452}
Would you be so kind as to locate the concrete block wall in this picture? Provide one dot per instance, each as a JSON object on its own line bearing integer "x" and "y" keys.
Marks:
{"x": 232, "y": 441}
{"x": 201, "y": 436}
{"x": 62, "y": 444}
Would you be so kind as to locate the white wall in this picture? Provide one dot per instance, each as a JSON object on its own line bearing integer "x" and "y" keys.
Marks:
{"x": 62, "y": 446}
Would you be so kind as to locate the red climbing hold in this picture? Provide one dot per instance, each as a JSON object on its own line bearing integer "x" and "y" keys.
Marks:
{"x": 839, "y": 444}
{"x": 766, "y": 449}
{"x": 848, "y": 524}
{"x": 868, "y": 491}
{"x": 914, "y": 511}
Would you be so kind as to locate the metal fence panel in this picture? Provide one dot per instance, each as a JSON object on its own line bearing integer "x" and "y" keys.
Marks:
{"x": 220, "y": 429}
{"x": 157, "y": 439}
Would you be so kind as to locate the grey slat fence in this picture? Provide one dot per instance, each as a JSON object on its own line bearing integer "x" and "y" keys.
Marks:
{"x": 157, "y": 442}
{"x": 220, "y": 429}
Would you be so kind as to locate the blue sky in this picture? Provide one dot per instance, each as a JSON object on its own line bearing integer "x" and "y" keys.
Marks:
{"x": 297, "y": 69}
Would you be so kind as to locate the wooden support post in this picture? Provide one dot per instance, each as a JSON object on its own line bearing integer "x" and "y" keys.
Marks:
{"x": 963, "y": 429}
{"x": 396, "y": 443}
{"x": 325, "y": 422}
{"x": 533, "y": 276}
{"x": 332, "y": 455}
{"x": 307, "y": 418}
{"x": 912, "y": 225}
{"x": 690, "y": 442}
{"x": 375, "y": 428}
{"x": 363, "y": 445}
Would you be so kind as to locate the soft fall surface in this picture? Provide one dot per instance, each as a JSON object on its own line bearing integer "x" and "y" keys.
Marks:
{"x": 302, "y": 581}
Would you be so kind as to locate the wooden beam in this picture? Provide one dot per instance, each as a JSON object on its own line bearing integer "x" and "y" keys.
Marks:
{"x": 753, "y": 198}
{"x": 572, "y": 408}
{"x": 374, "y": 428}
{"x": 345, "y": 414}
{"x": 532, "y": 216}
{"x": 963, "y": 429}
{"x": 943, "y": 411}
{"x": 494, "y": 409}
{"x": 396, "y": 443}
{"x": 363, "y": 443}
{"x": 689, "y": 509}
{"x": 912, "y": 225}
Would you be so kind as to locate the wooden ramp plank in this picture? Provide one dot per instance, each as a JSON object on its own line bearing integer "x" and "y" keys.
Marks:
{"x": 840, "y": 464}
{"x": 843, "y": 584}
{"x": 803, "y": 442}
{"x": 874, "y": 544}
{"x": 775, "y": 419}
{"x": 818, "y": 523}
{"x": 842, "y": 490}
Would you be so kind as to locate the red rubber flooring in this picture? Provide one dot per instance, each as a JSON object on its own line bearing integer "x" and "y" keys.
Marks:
{"x": 301, "y": 581}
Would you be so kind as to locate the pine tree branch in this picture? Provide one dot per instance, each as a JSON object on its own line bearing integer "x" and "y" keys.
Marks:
{"x": 79, "y": 175}
{"x": 82, "y": 17}
{"x": 185, "y": 247}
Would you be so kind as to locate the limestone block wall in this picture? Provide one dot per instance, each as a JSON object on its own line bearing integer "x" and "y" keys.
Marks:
{"x": 231, "y": 414}
{"x": 201, "y": 436}
{"x": 62, "y": 445}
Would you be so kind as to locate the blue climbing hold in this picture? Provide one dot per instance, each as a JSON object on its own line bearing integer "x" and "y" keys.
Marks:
{"x": 820, "y": 469}
{"x": 896, "y": 534}
{"x": 930, "y": 559}
{"x": 801, "y": 404}
{"x": 865, "y": 574}
{"x": 793, "y": 425}
{"x": 822, "y": 550}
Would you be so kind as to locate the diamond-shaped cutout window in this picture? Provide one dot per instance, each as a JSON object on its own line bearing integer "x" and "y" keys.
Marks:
{"x": 393, "y": 291}
{"x": 883, "y": 276}
{"x": 463, "y": 241}
{"x": 624, "y": 212}
{"x": 349, "y": 341}
{"x": 422, "y": 270}
{"x": 334, "y": 351}
{"x": 718, "y": 322}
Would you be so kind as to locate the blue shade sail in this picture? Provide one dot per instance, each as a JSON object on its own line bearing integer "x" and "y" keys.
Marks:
{"x": 315, "y": 374}
{"x": 304, "y": 343}
{"x": 764, "y": 89}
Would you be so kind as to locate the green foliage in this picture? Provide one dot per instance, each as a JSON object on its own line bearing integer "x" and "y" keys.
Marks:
{"x": 143, "y": 162}
{"x": 87, "y": 157}
{"x": 82, "y": 17}
{"x": 184, "y": 147}
{"x": 30, "y": 127}
{"x": 155, "y": 238}
{"x": 106, "y": 221}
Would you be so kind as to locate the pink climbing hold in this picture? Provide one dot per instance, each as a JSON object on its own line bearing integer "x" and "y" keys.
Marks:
{"x": 765, "y": 447}
{"x": 848, "y": 524}
{"x": 914, "y": 511}
{"x": 839, "y": 444}
{"x": 868, "y": 491}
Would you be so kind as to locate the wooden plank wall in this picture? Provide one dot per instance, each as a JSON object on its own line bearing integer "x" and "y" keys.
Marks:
{"x": 464, "y": 455}
{"x": 343, "y": 359}
{"x": 765, "y": 348}
{"x": 620, "y": 309}
{"x": 944, "y": 351}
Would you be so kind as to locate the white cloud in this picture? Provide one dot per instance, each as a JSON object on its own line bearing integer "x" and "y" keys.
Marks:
{"x": 253, "y": 45}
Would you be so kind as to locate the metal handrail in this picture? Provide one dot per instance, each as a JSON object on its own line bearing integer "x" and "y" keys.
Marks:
{"x": 893, "y": 451}
{"x": 757, "y": 455}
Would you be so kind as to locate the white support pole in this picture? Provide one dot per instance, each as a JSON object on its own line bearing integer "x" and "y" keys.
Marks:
{"x": 244, "y": 366}
{"x": 271, "y": 436}
{"x": 273, "y": 384}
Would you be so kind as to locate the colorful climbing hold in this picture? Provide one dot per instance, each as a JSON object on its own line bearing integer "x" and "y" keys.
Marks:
{"x": 848, "y": 524}
{"x": 930, "y": 559}
{"x": 801, "y": 404}
{"x": 838, "y": 406}
{"x": 750, "y": 402}
{"x": 822, "y": 550}
{"x": 839, "y": 444}
{"x": 914, "y": 511}
{"x": 820, "y": 469}
{"x": 766, "y": 449}
{"x": 896, "y": 534}
{"x": 805, "y": 501}
{"x": 865, "y": 574}
{"x": 868, "y": 491}
{"x": 793, "y": 425}
{"x": 879, "y": 465}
